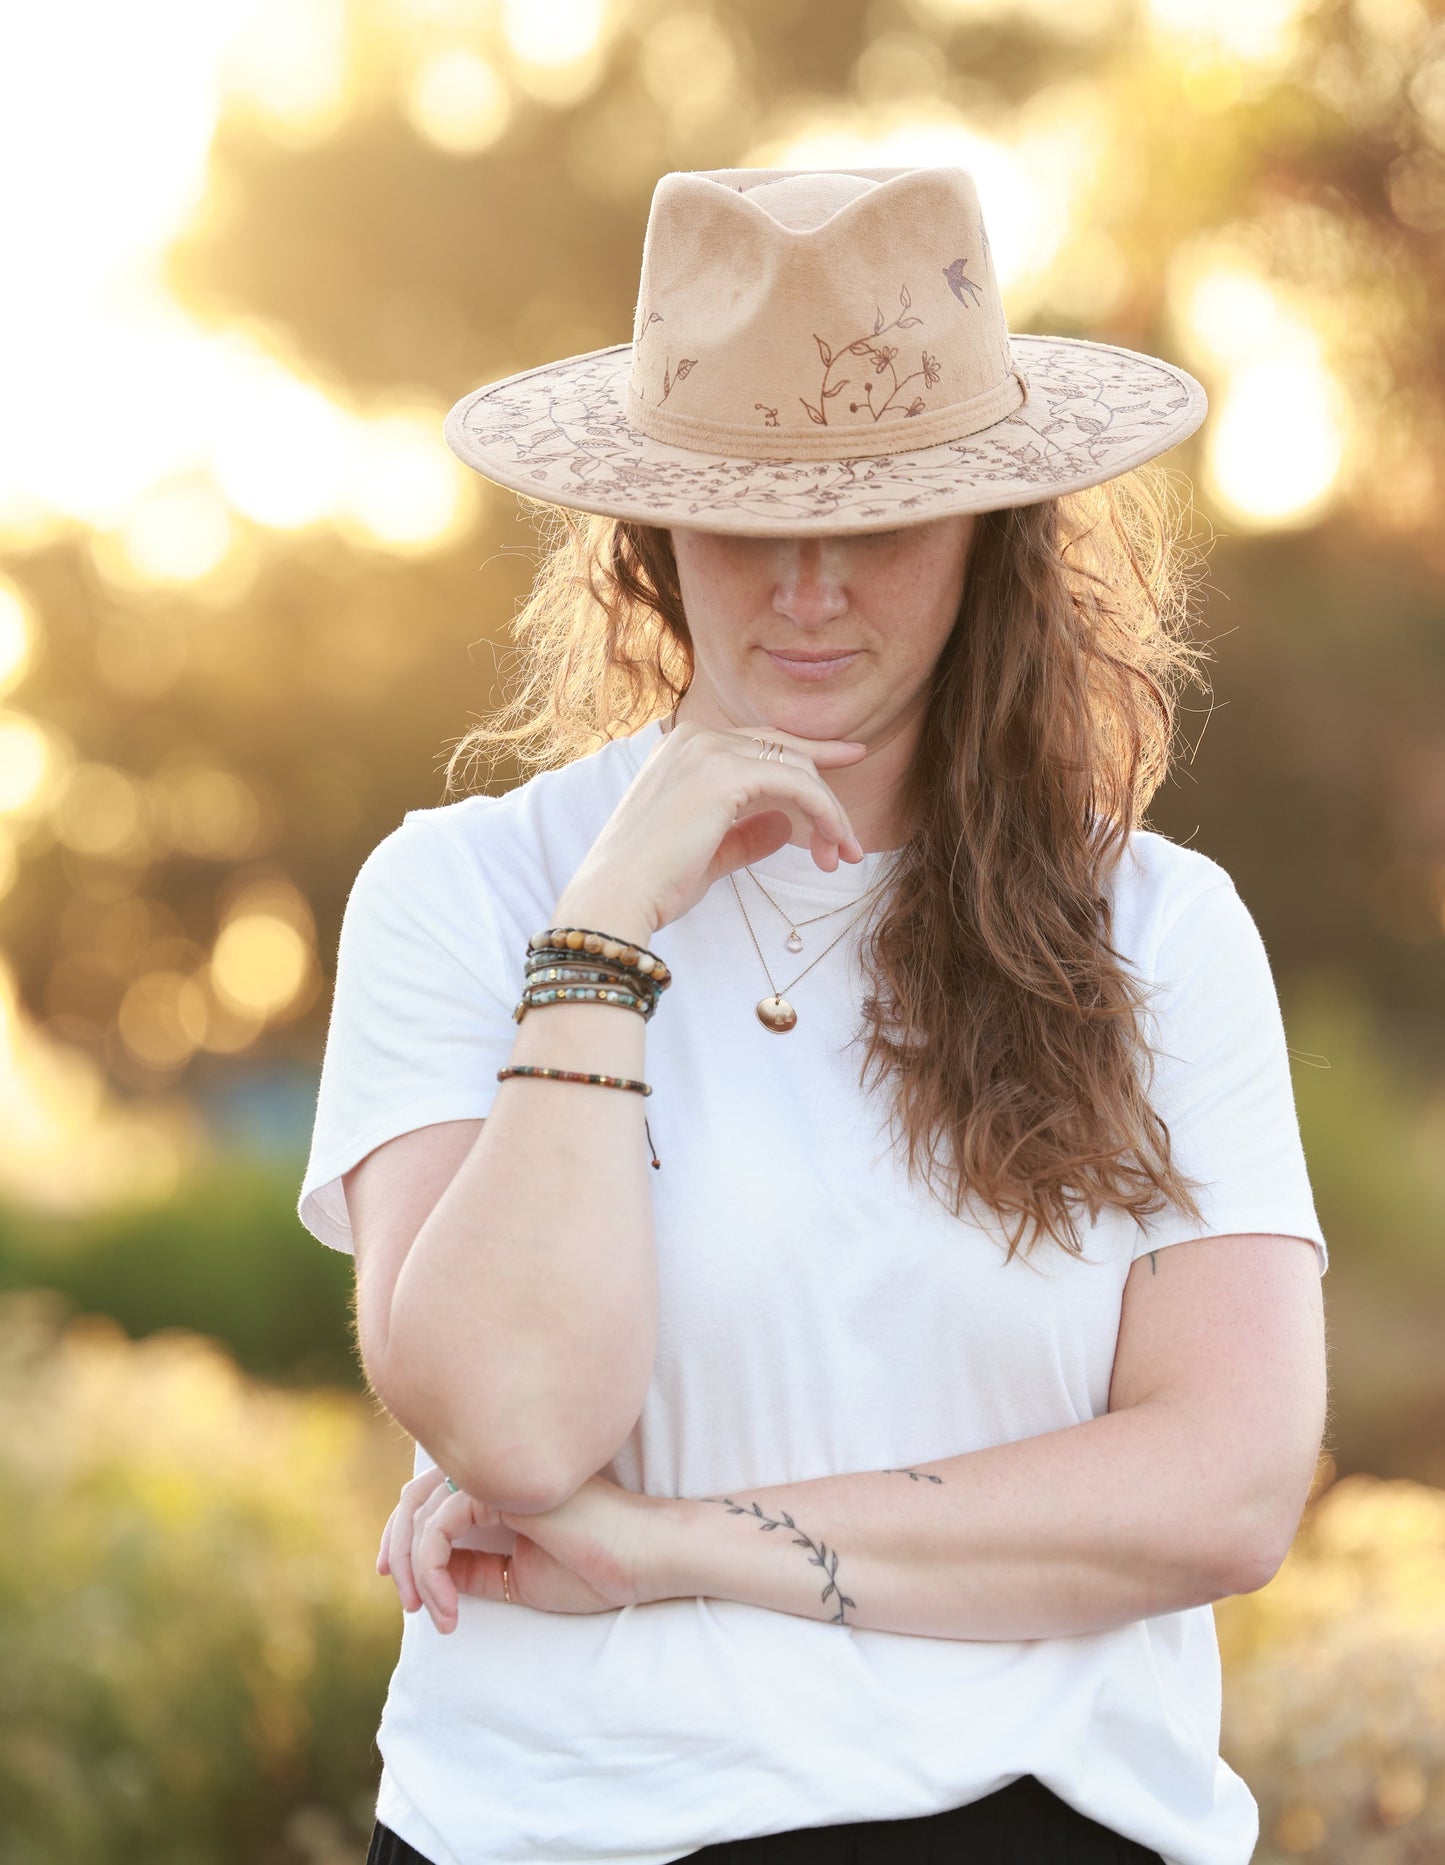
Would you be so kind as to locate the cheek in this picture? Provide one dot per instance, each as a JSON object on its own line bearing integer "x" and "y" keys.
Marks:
{"x": 720, "y": 587}
{"x": 918, "y": 605}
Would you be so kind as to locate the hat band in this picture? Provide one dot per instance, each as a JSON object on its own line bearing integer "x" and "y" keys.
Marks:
{"x": 850, "y": 441}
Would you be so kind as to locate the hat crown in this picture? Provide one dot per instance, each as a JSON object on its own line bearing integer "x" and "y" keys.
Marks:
{"x": 818, "y": 314}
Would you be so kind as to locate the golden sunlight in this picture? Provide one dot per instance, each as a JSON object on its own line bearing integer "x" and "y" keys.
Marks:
{"x": 17, "y": 637}
{"x": 213, "y": 426}
{"x": 1274, "y": 446}
{"x": 458, "y": 101}
{"x": 1262, "y": 31}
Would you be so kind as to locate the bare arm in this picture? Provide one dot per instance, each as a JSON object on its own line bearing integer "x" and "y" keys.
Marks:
{"x": 522, "y": 1328}
{"x": 1189, "y": 1490}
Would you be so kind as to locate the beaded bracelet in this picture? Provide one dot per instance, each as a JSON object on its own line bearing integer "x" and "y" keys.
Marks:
{"x": 526, "y": 1069}
{"x": 542, "y": 971}
{"x": 576, "y": 994}
{"x": 640, "y": 993}
{"x": 566, "y": 940}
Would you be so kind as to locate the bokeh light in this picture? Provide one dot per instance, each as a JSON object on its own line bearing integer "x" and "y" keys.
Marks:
{"x": 17, "y": 637}
{"x": 33, "y": 759}
{"x": 1275, "y": 443}
{"x": 459, "y": 101}
{"x": 263, "y": 962}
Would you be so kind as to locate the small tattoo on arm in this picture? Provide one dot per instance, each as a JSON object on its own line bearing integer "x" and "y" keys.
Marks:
{"x": 1154, "y": 1262}
{"x": 918, "y": 1476}
{"x": 818, "y": 1552}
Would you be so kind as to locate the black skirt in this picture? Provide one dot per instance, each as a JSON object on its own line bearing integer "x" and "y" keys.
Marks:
{"x": 1024, "y": 1823}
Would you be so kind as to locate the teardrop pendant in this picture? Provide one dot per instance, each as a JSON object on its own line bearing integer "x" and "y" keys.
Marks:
{"x": 776, "y": 1013}
{"x": 795, "y": 941}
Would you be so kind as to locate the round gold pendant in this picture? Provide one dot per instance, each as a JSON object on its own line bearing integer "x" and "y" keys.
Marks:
{"x": 776, "y": 1013}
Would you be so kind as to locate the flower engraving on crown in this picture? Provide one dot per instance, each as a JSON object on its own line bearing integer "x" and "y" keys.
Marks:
{"x": 882, "y": 357}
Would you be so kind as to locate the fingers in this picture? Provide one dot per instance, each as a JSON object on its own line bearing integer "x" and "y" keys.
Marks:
{"x": 431, "y": 1555}
{"x": 395, "y": 1557}
{"x": 791, "y": 778}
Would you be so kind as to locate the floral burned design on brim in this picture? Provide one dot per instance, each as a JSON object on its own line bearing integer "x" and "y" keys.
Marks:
{"x": 561, "y": 433}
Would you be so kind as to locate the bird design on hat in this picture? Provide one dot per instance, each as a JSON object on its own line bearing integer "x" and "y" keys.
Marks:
{"x": 959, "y": 282}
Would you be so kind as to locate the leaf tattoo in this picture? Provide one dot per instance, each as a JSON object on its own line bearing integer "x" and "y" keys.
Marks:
{"x": 819, "y": 1554}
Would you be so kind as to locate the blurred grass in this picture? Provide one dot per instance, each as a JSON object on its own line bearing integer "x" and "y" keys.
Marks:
{"x": 194, "y": 1640}
{"x": 1334, "y": 1682}
{"x": 196, "y": 1646}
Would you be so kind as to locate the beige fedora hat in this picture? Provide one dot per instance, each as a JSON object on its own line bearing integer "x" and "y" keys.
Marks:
{"x": 819, "y": 350}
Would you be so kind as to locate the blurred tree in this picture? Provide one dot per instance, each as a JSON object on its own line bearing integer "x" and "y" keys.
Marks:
{"x": 320, "y": 687}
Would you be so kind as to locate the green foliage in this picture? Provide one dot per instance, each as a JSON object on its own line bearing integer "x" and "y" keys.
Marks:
{"x": 223, "y": 1256}
{"x": 1371, "y": 1135}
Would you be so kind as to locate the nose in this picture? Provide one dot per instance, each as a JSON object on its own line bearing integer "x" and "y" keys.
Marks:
{"x": 810, "y": 588}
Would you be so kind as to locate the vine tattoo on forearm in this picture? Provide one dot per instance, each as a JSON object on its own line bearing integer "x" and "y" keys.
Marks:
{"x": 818, "y": 1551}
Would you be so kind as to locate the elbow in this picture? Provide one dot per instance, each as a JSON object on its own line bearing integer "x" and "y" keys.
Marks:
{"x": 511, "y": 1477}
{"x": 527, "y": 1475}
{"x": 1253, "y": 1566}
{"x": 1257, "y": 1549}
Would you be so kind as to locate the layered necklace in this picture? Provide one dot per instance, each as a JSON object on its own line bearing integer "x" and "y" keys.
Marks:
{"x": 795, "y": 938}
{"x": 775, "y": 1012}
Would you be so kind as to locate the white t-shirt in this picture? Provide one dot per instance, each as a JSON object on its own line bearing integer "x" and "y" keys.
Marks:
{"x": 819, "y": 1315}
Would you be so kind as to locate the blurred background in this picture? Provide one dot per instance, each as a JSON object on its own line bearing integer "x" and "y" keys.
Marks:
{"x": 253, "y": 249}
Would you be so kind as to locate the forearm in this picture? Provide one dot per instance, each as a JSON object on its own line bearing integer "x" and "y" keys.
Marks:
{"x": 523, "y": 1324}
{"x": 1075, "y": 1531}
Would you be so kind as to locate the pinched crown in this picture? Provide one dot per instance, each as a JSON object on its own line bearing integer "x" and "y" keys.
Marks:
{"x": 818, "y": 315}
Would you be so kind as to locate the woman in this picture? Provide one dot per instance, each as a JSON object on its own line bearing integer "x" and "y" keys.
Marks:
{"x": 870, "y": 1319}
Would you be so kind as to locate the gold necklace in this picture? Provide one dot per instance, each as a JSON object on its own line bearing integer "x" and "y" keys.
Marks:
{"x": 776, "y": 1013}
{"x": 794, "y": 940}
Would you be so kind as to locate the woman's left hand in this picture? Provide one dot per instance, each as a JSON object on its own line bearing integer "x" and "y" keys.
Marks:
{"x": 593, "y": 1553}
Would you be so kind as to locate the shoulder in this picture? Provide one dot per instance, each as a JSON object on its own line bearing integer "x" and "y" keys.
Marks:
{"x": 510, "y": 854}
{"x": 1156, "y": 882}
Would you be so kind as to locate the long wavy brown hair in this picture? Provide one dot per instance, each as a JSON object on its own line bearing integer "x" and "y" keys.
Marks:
{"x": 999, "y": 1011}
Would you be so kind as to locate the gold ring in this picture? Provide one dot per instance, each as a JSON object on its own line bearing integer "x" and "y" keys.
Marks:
{"x": 770, "y": 747}
{"x": 506, "y": 1590}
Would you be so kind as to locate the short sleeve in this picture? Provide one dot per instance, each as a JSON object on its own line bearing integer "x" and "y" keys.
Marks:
{"x": 1222, "y": 1080}
{"x": 421, "y": 1011}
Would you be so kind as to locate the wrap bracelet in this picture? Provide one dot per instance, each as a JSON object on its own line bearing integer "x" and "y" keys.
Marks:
{"x": 569, "y": 940}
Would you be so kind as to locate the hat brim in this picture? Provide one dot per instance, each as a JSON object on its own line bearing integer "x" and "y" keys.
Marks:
{"x": 561, "y": 433}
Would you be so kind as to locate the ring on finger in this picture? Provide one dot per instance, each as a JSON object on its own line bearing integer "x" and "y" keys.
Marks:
{"x": 771, "y": 748}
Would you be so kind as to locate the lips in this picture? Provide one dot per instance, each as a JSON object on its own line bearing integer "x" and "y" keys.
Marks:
{"x": 810, "y": 665}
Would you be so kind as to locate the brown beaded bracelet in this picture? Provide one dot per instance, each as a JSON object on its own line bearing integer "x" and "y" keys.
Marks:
{"x": 572, "y": 1074}
{"x": 570, "y": 939}
{"x": 534, "y": 1070}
